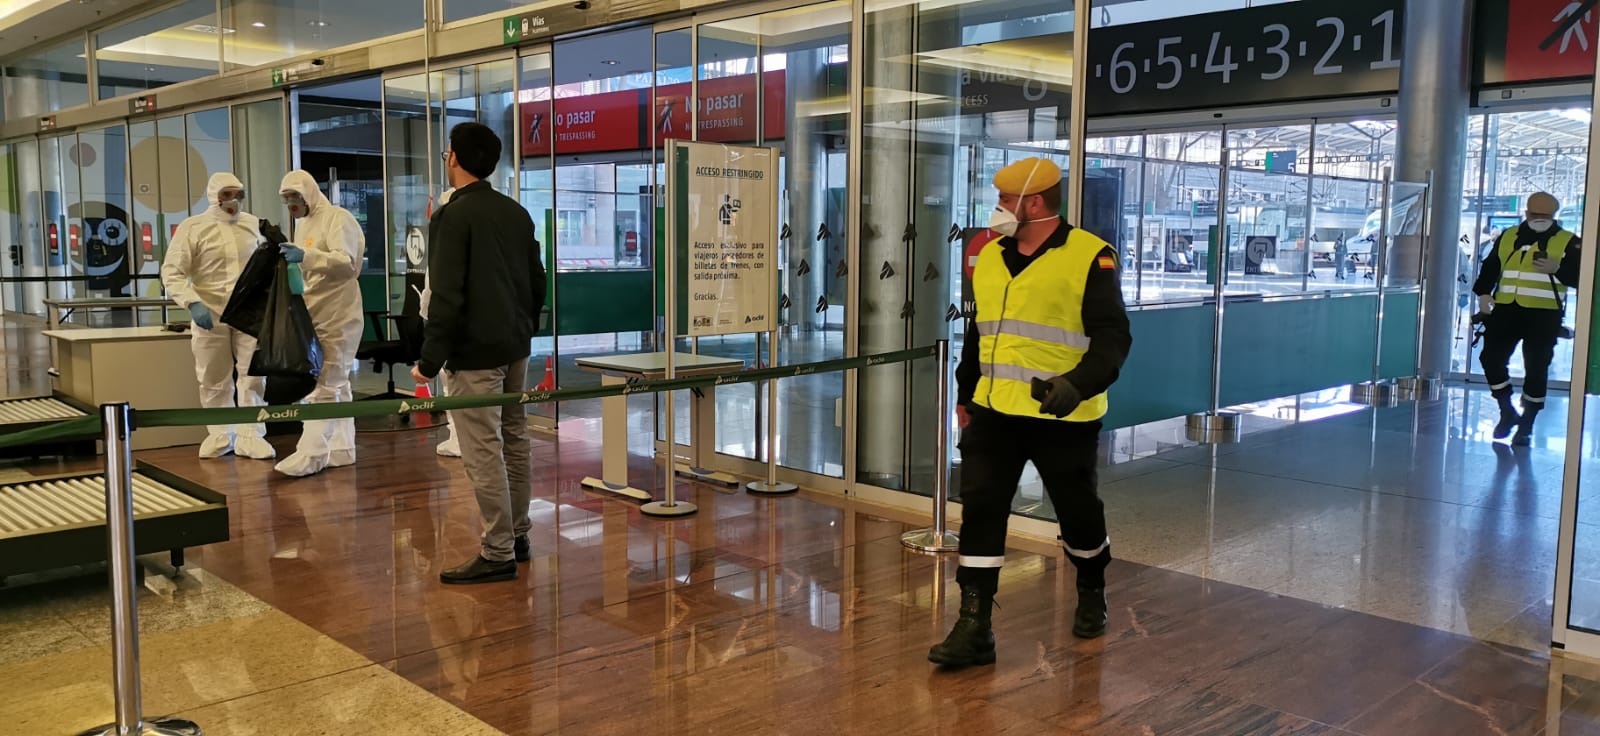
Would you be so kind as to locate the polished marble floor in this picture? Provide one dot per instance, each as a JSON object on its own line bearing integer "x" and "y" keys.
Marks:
{"x": 1371, "y": 573}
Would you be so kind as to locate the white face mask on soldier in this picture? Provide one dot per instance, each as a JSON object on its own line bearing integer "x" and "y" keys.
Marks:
{"x": 1003, "y": 221}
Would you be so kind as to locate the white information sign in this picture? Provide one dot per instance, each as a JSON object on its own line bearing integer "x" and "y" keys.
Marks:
{"x": 730, "y": 230}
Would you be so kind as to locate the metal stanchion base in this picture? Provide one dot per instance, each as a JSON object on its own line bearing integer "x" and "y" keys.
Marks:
{"x": 153, "y": 727}
{"x": 927, "y": 540}
{"x": 1213, "y": 428}
{"x": 706, "y": 476}
{"x": 665, "y": 510}
{"x": 597, "y": 484}
{"x": 1420, "y": 388}
{"x": 1381, "y": 394}
{"x": 761, "y": 486}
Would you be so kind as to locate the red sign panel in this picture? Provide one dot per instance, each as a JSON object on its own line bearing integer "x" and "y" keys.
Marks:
{"x": 1532, "y": 22}
{"x": 616, "y": 121}
{"x": 54, "y": 238}
{"x": 586, "y": 124}
{"x": 728, "y": 109}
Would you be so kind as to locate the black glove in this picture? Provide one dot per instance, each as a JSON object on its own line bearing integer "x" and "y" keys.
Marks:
{"x": 272, "y": 234}
{"x": 1056, "y": 397}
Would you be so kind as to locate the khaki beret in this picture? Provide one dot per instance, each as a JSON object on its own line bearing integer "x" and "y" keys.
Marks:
{"x": 1028, "y": 176}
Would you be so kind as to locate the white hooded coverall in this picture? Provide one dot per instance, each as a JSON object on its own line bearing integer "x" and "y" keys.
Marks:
{"x": 202, "y": 264}
{"x": 451, "y": 446}
{"x": 334, "y": 244}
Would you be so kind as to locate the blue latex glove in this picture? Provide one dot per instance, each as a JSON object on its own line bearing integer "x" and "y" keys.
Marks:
{"x": 200, "y": 315}
{"x": 291, "y": 253}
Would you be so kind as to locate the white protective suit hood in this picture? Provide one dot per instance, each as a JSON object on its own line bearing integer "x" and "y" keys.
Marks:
{"x": 302, "y": 183}
{"x": 214, "y": 186}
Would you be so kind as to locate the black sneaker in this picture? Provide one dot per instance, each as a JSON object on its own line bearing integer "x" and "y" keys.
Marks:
{"x": 523, "y": 549}
{"x": 479, "y": 570}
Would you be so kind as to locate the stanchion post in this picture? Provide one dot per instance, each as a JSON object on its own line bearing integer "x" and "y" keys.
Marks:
{"x": 671, "y": 507}
{"x": 937, "y": 538}
{"x": 124, "y": 587}
{"x": 771, "y": 485}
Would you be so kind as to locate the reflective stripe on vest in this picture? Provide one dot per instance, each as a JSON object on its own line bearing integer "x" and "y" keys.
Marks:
{"x": 1031, "y": 325}
{"x": 1519, "y": 282}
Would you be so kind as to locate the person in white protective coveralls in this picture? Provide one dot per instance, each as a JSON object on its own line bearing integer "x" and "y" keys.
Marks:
{"x": 202, "y": 264}
{"x": 328, "y": 244}
{"x": 451, "y": 446}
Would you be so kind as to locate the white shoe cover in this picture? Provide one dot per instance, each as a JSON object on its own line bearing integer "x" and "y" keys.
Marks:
{"x": 341, "y": 458}
{"x": 449, "y": 448}
{"x": 301, "y": 464}
{"x": 216, "y": 445}
{"x": 253, "y": 447}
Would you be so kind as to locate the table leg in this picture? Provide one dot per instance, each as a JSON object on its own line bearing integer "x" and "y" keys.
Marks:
{"x": 614, "y": 445}
{"x": 702, "y": 435}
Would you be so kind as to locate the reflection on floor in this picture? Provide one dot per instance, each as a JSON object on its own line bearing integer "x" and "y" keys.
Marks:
{"x": 1370, "y": 573}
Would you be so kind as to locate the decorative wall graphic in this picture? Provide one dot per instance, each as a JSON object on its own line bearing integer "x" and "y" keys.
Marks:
{"x": 907, "y": 311}
{"x": 785, "y": 233}
{"x": 823, "y": 233}
{"x": 931, "y": 274}
{"x": 954, "y": 234}
{"x": 870, "y": 231}
{"x": 804, "y": 268}
{"x": 887, "y": 272}
{"x": 784, "y": 303}
{"x": 844, "y": 268}
{"x": 952, "y": 314}
{"x": 822, "y": 304}
{"x": 909, "y": 235}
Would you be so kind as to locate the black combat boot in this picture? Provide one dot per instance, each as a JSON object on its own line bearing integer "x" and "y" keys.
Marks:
{"x": 1089, "y": 622}
{"x": 1509, "y": 418}
{"x": 971, "y": 640}
{"x": 1530, "y": 412}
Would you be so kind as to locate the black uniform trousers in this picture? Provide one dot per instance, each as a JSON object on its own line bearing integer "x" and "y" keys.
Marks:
{"x": 1537, "y": 331}
{"x": 995, "y": 447}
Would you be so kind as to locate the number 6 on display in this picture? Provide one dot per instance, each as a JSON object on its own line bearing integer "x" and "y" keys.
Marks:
{"x": 1117, "y": 62}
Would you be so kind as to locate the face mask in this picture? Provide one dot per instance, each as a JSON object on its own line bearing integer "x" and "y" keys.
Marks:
{"x": 297, "y": 206}
{"x": 1541, "y": 224}
{"x": 231, "y": 206}
{"x": 1003, "y": 221}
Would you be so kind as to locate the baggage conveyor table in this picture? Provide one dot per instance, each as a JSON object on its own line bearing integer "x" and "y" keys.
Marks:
{"x": 59, "y": 520}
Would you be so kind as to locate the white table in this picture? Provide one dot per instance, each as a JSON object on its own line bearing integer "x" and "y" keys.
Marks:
{"x": 148, "y": 367}
{"x": 619, "y": 369}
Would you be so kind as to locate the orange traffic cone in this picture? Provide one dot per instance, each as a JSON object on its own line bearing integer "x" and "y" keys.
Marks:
{"x": 548, "y": 382}
{"x": 423, "y": 392}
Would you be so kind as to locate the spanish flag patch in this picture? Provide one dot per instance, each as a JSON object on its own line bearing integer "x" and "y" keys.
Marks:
{"x": 1108, "y": 263}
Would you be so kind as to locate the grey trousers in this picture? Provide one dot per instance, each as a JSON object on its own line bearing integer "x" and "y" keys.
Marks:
{"x": 496, "y": 452}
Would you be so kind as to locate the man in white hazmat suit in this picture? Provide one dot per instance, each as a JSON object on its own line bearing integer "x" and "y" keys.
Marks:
{"x": 328, "y": 244}
{"x": 451, "y": 446}
{"x": 202, "y": 264}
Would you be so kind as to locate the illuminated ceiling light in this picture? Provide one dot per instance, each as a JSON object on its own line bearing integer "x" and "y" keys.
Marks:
{"x": 610, "y": 62}
{"x": 209, "y": 29}
{"x": 317, "y": 23}
{"x": 258, "y": 24}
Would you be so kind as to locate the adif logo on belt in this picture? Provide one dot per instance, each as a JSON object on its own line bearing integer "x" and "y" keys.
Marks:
{"x": 267, "y": 416}
{"x": 406, "y": 408}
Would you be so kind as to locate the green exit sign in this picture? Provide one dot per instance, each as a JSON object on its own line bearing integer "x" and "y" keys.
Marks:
{"x": 519, "y": 28}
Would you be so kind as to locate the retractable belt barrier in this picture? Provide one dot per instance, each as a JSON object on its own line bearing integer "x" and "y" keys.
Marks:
{"x": 81, "y": 427}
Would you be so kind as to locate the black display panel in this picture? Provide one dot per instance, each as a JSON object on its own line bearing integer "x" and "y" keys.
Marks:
{"x": 1275, "y": 53}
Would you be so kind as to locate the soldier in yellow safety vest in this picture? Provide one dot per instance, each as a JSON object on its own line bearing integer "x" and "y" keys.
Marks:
{"x": 1522, "y": 291}
{"x": 1049, "y": 338}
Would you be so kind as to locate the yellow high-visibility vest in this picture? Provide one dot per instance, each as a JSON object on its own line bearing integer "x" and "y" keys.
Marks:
{"x": 1522, "y": 285}
{"x": 1031, "y": 326}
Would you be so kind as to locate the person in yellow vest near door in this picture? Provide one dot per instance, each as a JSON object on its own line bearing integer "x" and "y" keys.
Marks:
{"x": 1522, "y": 293}
{"x": 1049, "y": 338}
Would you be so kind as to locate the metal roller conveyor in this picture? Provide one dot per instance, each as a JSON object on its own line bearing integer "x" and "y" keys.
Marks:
{"x": 60, "y": 521}
{"x": 30, "y": 411}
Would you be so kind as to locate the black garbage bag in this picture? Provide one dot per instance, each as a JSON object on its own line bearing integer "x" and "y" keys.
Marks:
{"x": 247, "y": 305}
{"x": 287, "y": 346}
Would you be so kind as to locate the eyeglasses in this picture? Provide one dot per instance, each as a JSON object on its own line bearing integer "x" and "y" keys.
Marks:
{"x": 236, "y": 195}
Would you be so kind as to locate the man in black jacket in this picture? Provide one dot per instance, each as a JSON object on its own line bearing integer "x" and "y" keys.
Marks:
{"x": 488, "y": 289}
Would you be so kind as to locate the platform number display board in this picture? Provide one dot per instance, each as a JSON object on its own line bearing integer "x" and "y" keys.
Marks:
{"x": 1272, "y": 53}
